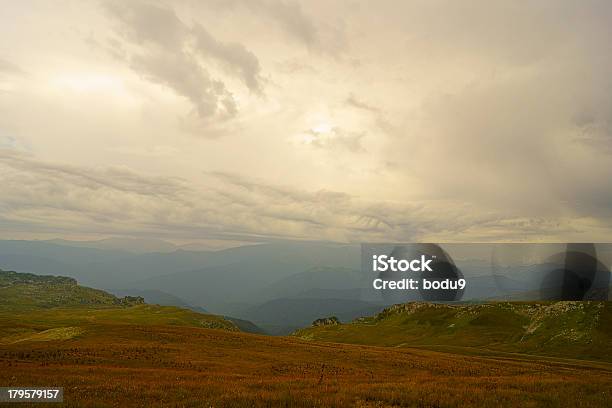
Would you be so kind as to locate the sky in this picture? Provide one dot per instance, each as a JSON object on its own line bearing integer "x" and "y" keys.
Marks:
{"x": 233, "y": 121}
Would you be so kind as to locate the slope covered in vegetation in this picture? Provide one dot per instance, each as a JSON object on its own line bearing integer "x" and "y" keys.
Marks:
{"x": 564, "y": 329}
{"x": 34, "y": 307}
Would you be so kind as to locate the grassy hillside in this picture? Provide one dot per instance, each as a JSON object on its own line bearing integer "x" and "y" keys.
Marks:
{"x": 26, "y": 290}
{"x": 134, "y": 365}
{"x": 108, "y": 352}
{"x": 161, "y": 298}
{"x": 564, "y": 329}
{"x": 34, "y": 307}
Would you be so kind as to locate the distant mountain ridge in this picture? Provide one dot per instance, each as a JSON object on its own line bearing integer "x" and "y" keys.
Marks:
{"x": 162, "y": 298}
{"x": 281, "y": 316}
{"x": 135, "y": 245}
{"x": 209, "y": 279}
{"x": 258, "y": 282}
{"x": 320, "y": 278}
{"x": 159, "y": 297}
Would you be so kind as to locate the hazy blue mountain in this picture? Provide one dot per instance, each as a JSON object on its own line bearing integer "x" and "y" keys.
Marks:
{"x": 203, "y": 278}
{"x": 45, "y": 258}
{"x": 492, "y": 286}
{"x": 37, "y": 264}
{"x": 278, "y": 285}
{"x": 246, "y": 326}
{"x": 324, "y": 281}
{"x": 282, "y": 316}
{"x": 162, "y": 298}
{"x": 136, "y": 245}
{"x": 128, "y": 271}
{"x": 64, "y": 253}
{"x": 356, "y": 294}
{"x": 158, "y": 297}
{"x": 243, "y": 275}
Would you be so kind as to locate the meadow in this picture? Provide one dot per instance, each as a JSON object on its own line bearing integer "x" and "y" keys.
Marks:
{"x": 111, "y": 352}
{"x": 129, "y": 364}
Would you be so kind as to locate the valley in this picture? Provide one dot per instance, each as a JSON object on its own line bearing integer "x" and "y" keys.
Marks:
{"x": 109, "y": 351}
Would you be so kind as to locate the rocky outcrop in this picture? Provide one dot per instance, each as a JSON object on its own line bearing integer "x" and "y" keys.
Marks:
{"x": 326, "y": 321}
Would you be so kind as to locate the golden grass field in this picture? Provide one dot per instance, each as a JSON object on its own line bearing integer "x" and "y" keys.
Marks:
{"x": 104, "y": 364}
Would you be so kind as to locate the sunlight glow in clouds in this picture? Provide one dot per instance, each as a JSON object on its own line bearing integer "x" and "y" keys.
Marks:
{"x": 347, "y": 121}
{"x": 83, "y": 82}
{"x": 322, "y": 127}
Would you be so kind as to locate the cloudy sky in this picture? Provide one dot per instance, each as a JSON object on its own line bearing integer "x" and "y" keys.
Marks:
{"x": 225, "y": 121}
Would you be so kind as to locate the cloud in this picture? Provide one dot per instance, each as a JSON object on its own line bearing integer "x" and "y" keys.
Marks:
{"x": 113, "y": 178}
{"x": 593, "y": 126}
{"x": 353, "y": 102}
{"x": 10, "y": 75}
{"x": 167, "y": 51}
{"x": 234, "y": 57}
{"x": 335, "y": 139}
{"x": 293, "y": 20}
{"x": 297, "y": 24}
{"x": 210, "y": 97}
{"x": 454, "y": 125}
{"x": 503, "y": 145}
{"x": 41, "y": 195}
{"x": 9, "y": 68}
{"x": 315, "y": 35}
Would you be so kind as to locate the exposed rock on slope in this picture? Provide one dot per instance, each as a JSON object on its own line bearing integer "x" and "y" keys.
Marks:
{"x": 567, "y": 329}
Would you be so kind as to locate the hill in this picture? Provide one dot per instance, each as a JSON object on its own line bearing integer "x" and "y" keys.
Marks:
{"x": 246, "y": 325}
{"x": 105, "y": 352}
{"x": 564, "y": 329}
{"x": 162, "y": 298}
{"x": 30, "y": 305}
{"x": 26, "y": 290}
{"x": 109, "y": 363}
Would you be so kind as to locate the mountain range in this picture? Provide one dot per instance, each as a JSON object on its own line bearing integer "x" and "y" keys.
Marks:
{"x": 258, "y": 283}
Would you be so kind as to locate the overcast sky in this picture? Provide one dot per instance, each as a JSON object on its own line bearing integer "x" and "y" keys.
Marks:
{"x": 226, "y": 121}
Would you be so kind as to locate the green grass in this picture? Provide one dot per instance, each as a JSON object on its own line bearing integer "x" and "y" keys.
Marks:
{"x": 108, "y": 352}
{"x": 40, "y": 308}
{"x": 125, "y": 365}
{"x": 25, "y": 291}
{"x": 563, "y": 329}
{"x": 146, "y": 315}
{"x": 58, "y": 333}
